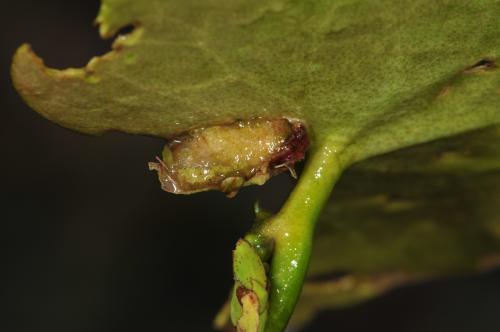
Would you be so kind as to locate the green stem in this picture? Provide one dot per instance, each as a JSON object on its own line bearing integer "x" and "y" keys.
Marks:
{"x": 292, "y": 230}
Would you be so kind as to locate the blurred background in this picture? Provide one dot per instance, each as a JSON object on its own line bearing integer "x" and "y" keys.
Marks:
{"x": 91, "y": 243}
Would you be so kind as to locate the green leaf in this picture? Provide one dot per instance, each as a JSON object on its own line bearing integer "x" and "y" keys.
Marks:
{"x": 248, "y": 268}
{"x": 412, "y": 215}
{"x": 366, "y": 77}
{"x": 249, "y": 299}
{"x": 375, "y": 75}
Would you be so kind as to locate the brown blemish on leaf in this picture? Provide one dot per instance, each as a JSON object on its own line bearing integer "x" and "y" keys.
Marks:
{"x": 444, "y": 91}
{"x": 241, "y": 292}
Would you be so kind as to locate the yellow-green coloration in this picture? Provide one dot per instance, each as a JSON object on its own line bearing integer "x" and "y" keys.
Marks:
{"x": 400, "y": 218}
{"x": 372, "y": 74}
{"x": 249, "y": 299}
{"x": 404, "y": 217}
{"x": 223, "y": 157}
{"x": 368, "y": 77}
{"x": 249, "y": 320}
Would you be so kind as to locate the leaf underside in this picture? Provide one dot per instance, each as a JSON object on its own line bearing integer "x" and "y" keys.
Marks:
{"x": 374, "y": 75}
{"x": 412, "y": 215}
{"x": 370, "y": 77}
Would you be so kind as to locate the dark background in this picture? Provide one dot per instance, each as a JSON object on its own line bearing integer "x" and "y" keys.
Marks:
{"x": 91, "y": 243}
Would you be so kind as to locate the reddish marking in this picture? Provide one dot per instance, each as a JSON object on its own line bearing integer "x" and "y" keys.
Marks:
{"x": 293, "y": 150}
{"x": 241, "y": 292}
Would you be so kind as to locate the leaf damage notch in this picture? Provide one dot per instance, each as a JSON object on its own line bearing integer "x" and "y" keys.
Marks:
{"x": 76, "y": 98}
{"x": 482, "y": 65}
{"x": 227, "y": 157}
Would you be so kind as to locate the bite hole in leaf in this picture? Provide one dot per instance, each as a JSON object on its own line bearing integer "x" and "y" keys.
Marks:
{"x": 126, "y": 30}
{"x": 123, "y": 35}
{"x": 482, "y": 65}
